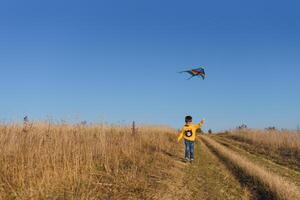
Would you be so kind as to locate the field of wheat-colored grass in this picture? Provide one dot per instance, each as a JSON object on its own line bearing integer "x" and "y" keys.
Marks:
{"x": 64, "y": 161}
{"x": 50, "y": 161}
{"x": 271, "y": 139}
{"x": 282, "y": 147}
{"x": 280, "y": 187}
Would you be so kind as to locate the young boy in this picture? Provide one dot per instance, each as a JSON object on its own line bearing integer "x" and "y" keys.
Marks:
{"x": 189, "y": 134}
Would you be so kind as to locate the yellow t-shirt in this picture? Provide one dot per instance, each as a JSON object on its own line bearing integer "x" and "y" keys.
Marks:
{"x": 188, "y": 132}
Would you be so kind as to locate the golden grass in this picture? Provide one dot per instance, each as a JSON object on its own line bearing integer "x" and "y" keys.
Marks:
{"x": 282, "y": 147}
{"x": 271, "y": 139}
{"x": 282, "y": 188}
{"x": 82, "y": 162}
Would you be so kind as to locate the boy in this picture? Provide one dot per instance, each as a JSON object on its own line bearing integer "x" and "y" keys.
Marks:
{"x": 189, "y": 134}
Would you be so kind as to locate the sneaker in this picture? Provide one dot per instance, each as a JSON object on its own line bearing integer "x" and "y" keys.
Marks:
{"x": 192, "y": 159}
{"x": 187, "y": 160}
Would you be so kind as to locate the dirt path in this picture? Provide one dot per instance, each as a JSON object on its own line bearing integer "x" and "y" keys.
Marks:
{"x": 206, "y": 178}
{"x": 210, "y": 179}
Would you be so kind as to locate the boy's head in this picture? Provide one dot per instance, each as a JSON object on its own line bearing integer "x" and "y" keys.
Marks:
{"x": 188, "y": 119}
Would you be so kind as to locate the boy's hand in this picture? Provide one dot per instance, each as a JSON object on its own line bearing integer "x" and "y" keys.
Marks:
{"x": 202, "y": 121}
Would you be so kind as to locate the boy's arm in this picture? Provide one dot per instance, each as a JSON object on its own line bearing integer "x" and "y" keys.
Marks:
{"x": 200, "y": 124}
{"x": 180, "y": 135}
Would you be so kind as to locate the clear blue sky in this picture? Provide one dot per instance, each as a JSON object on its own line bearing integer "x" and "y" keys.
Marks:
{"x": 117, "y": 61}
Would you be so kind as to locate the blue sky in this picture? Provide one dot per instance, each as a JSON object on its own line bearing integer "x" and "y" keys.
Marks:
{"x": 117, "y": 61}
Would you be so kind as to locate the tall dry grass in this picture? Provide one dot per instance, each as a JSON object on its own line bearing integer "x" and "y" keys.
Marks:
{"x": 281, "y": 146}
{"x": 282, "y": 188}
{"x": 82, "y": 162}
{"x": 271, "y": 139}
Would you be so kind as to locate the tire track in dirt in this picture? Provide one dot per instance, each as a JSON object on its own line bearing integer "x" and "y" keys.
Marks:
{"x": 209, "y": 178}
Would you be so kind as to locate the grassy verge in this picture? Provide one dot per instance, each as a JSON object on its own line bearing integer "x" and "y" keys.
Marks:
{"x": 276, "y": 185}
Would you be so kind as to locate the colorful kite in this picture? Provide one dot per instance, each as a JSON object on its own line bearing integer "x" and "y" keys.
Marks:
{"x": 196, "y": 72}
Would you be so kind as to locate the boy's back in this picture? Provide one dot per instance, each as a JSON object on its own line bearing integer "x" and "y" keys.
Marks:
{"x": 189, "y": 132}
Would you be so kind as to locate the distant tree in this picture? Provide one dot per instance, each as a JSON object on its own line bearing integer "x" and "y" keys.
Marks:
{"x": 26, "y": 119}
{"x": 199, "y": 130}
{"x": 83, "y": 123}
{"x": 243, "y": 126}
{"x": 209, "y": 131}
{"x": 271, "y": 128}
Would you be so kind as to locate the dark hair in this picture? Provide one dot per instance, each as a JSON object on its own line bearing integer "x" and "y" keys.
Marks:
{"x": 188, "y": 119}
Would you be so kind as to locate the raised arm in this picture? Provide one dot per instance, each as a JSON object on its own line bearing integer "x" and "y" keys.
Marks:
{"x": 200, "y": 124}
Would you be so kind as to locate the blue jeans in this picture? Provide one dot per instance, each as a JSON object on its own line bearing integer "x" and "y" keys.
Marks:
{"x": 189, "y": 149}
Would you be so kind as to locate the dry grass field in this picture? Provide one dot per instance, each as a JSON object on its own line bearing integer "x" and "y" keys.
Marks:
{"x": 63, "y": 161}
{"x": 83, "y": 162}
{"x": 282, "y": 146}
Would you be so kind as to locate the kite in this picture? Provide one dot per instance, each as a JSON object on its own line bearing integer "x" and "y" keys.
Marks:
{"x": 196, "y": 72}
